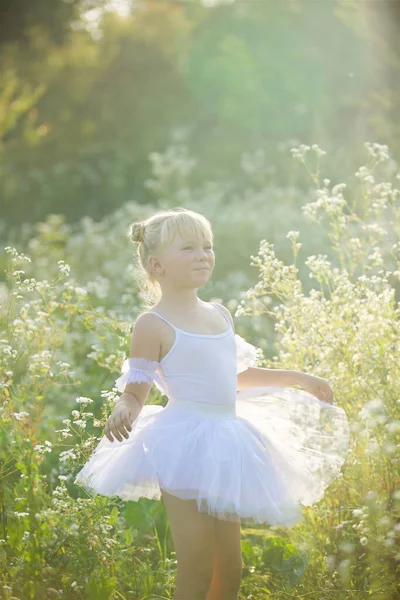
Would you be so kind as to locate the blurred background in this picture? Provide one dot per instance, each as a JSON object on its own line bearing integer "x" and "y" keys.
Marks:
{"x": 112, "y": 109}
{"x": 89, "y": 88}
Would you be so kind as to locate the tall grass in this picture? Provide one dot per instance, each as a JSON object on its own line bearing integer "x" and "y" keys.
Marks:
{"x": 67, "y": 308}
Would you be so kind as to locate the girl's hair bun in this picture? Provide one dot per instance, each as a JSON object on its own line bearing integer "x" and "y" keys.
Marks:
{"x": 137, "y": 231}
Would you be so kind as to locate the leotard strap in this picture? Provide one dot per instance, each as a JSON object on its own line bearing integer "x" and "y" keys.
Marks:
{"x": 153, "y": 312}
{"x": 177, "y": 328}
{"x": 223, "y": 314}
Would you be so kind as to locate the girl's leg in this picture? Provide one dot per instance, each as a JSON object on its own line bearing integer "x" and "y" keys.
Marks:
{"x": 227, "y": 561}
{"x": 193, "y": 538}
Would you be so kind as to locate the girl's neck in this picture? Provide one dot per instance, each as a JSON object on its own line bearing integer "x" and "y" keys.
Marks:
{"x": 186, "y": 301}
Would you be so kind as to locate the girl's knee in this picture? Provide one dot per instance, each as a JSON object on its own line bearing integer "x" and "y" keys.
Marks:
{"x": 193, "y": 539}
{"x": 199, "y": 572}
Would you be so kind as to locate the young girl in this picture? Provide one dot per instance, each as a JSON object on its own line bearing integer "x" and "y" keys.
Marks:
{"x": 234, "y": 443}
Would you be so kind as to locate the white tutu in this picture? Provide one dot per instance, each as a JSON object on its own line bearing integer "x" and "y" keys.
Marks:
{"x": 258, "y": 461}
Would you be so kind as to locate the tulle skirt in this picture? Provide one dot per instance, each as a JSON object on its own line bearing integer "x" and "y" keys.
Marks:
{"x": 257, "y": 461}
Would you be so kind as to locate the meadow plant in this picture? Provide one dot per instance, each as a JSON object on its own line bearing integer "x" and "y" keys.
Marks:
{"x": 347, "y": 330}
{"x": 65, "y": 333}
{"x": 54, "y": 544}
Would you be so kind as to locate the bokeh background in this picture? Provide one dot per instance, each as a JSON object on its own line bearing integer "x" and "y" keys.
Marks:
{"x": 90, "y": 88}
{"x": 279, "y": 121}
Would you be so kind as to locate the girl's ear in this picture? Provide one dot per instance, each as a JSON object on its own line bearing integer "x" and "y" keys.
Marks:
{"x": 155, "y": 265}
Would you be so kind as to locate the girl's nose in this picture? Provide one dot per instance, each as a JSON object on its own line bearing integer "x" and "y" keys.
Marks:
{"x": 202, "y": 254}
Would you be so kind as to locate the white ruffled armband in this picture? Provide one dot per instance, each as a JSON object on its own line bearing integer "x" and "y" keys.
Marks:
{"x": 139, "y": 370}
{"x": 246, "y": 354}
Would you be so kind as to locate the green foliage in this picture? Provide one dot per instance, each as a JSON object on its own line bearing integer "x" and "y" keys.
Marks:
{"x": 284, "y": 561}
{"x": 347, "y": 331}
{"x": 66, "y": 312}
{"x": 101, "y": 586}
{"x": 240, "y": 77}
{"x": 271, "y": 561}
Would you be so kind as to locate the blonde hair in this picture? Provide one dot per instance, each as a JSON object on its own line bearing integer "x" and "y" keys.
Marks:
{"x": 156, "y": 233}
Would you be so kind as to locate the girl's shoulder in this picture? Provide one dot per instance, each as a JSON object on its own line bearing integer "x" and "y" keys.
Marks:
{"x": 146, "y": 339}
{"x": 147, "y": 319}
{"x": 226, "y": 311}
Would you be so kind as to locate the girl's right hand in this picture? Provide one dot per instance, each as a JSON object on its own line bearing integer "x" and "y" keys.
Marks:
{"x": 120, "y": 421}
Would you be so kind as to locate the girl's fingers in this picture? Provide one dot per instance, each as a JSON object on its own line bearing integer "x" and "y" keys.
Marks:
{"x": 112, "y": 429}
{"x": 124, "y": 426}
{"x": 107, "y": 431}
{"x": 118, "y": 425}
{"x": 116, "y": 431}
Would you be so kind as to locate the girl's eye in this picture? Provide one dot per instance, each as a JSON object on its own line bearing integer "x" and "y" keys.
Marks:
{"x": 191, "y": 247}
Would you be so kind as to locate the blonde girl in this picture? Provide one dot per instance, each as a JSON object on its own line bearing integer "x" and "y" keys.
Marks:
{"x": 235, "y": 444}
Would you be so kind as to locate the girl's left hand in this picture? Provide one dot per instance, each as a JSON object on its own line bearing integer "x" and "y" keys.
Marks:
{"x": 317, "y": 386}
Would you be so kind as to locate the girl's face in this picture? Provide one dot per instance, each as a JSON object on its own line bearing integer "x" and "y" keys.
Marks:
{"x": 186, "y": 262}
